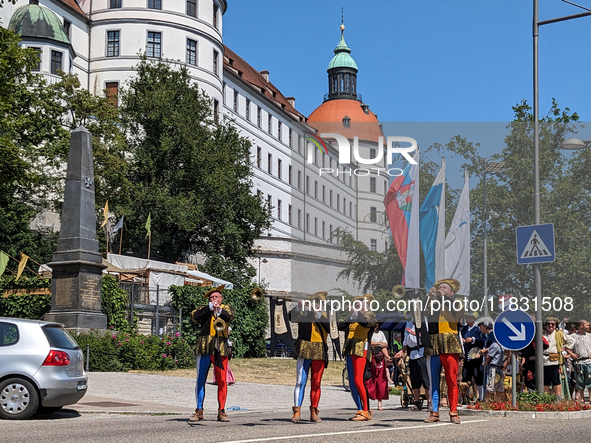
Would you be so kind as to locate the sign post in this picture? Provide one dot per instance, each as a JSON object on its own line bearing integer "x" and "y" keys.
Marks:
{"x": 514, "y": 330}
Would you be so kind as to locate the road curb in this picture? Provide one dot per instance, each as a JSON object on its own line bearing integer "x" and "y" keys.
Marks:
{"x": 551, "y": 415}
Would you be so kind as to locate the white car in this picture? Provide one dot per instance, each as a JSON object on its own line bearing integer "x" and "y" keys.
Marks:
{"x": 41, "y": 368}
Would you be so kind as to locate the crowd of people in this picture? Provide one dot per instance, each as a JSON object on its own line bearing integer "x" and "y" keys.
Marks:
{"x": 440, "y": 352}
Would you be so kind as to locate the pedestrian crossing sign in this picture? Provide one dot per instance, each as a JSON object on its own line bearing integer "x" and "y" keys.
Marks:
{"x": 535, "y": 244}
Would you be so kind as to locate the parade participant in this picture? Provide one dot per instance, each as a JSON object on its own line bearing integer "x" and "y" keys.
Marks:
{"x": 554, "y": 359}
{"x": 580, "y": 351}
{"x": 377, "y": 385}
{"x": 212, "y": 347}
{"x": 312, "y": 352}
{"x": 445, "y": 346}
{"x": 474, "y": 338}
{"x": 355, "y": 349}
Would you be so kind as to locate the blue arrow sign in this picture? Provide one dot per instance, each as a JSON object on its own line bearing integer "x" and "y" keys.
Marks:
{"x": 514, "y": 330}
{"x": 535, "y": 244}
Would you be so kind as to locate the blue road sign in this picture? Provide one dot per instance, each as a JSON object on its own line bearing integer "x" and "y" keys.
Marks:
{"x": 535, "y": 244}
{"x": 514, "y": 330}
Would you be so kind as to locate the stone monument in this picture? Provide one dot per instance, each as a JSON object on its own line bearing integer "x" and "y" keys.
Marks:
{"x": 77, "y": 265}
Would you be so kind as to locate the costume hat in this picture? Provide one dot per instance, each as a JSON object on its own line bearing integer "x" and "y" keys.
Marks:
{"x": 455, "y": 285}
{"x": 211, "y": 291}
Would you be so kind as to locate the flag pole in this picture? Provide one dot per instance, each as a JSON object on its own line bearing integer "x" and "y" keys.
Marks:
{"x": 120, "y": 239}
{"x": 18, "y": 261}
{"x": 149, "y": 243}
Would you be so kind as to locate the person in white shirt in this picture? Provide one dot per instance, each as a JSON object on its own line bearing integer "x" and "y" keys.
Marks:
{"x": 419, "y": 375}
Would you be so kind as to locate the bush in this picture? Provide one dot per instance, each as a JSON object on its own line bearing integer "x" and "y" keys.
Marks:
{"x": 248, "y": 326}
{"x": 32, "y": 306}
{"x": 116, "y": 351}
{"x": 114, "y": 302}
{"x": 532, "y": 401}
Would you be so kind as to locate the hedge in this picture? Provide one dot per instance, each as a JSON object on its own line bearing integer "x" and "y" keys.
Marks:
{"x": 248, "y": 326}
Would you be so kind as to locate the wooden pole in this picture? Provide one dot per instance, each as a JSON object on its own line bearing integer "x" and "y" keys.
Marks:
{"x": 18, "y": 261}
{"x": 149, "y": 242}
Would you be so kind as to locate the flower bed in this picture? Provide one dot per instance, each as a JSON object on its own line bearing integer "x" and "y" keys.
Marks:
{"x": 532, "y": 402}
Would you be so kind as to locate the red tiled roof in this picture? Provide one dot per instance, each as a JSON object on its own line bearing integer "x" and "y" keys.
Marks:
{"x": 240, "y": 68}
{"x": 73, "y": 5}
{"x": 328, "y": 117}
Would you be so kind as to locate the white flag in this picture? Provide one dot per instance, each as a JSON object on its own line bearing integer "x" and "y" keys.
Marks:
{"x": 457, "y": 243}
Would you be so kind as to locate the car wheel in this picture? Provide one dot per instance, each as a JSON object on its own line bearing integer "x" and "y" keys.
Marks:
{"x": 18, "y": 399}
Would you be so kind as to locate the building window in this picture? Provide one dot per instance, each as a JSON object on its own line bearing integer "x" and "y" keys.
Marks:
{"x": 346, "y": 122}
{"x": 373, "y": 244}
{"x": 330, "y": 198}
{"x": 299, "y": 219}
{"x": 308, "y": 184}
{"x": 279, "y": 209}
{"x": 279, "y": 169}
{"x": 323, "y": 194}
{"x": 269, "y": 163}
{"x": 113, "y": 4}
{"x": 154, "y": 4}
{"x": 289, "y": 214}
{"x": 248, "y": 109}
{"x": 192, "y": 53}
{"x": 330, "y": 233}
{"x": 216, "y": 110}
{"x": 258, "y": 116}
{"x": 38, "y": 52}
{"x": 385, "y": 188}
{"x": 323, "y": 233}
{"x": 315, "y": 189}
{"x": 192, "y": 8}
{"x": 270, "y": 126}
{"x": 215, "y": 62}
{"x": 289, "y": 174}
{"x": 112, "y": 92}
{"x": 215, "y": 16}
{"x": 372, "y": 184}
{"x": 67, "y": 28}
{"x": 373, "y": 214}
{"x": 323, "y": 158}
{"x": 350, "y": 209}
{"x": 316, "y": 226}
{"x": 235, "y": 101}
{"x": 373, "y": 153}
{"x": 307, "y": 222}
{"x": 259, "y": 155}
{"x": 154, "y": 48}
{"x": 338, "y": 202}
{"x": 279, "y": 131}
{"x": 112, "y": 43}
{"x": 300, "y": 180}
{"x": 56, "y": 62}
{"x": 290, "y": 136}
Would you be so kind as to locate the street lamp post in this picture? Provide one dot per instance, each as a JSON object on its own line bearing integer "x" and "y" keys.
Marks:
{"x": 536, "y": 267}
{"x": 491, "y": 168}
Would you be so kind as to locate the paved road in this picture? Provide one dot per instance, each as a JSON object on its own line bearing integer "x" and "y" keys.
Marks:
{"x": 387, "y": 426}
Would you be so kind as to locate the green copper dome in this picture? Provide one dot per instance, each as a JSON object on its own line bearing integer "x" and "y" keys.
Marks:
{"x": 342, "y": 57}
{"x": 35, "y": 21}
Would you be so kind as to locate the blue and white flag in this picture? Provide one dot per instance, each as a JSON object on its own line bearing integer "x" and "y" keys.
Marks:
{"x": 119, "y": 224}
{"x": 457, "y": 242}
{"x": 432, "y": 229}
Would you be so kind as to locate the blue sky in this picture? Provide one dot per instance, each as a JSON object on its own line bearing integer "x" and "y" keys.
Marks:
{"x": 421, "y": 60}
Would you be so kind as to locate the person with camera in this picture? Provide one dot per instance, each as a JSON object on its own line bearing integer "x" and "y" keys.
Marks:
{"x": 212, "y": 347}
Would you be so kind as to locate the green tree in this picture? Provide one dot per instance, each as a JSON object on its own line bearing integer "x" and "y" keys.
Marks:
{"x": 191, "y": 172}
{"x": 564, "y": 191}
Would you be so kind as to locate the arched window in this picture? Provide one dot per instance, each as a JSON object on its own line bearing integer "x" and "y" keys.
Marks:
{"x": 346, "y": 122}
{"x": 347, "y": 82}
{"x": 341, "y": 83}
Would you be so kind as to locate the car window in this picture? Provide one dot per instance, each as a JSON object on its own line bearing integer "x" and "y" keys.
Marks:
{"x": 8, "y": 334}
{"x": 58, "y": 338}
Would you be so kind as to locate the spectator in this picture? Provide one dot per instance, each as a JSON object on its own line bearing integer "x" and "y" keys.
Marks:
{"x": 397, "y": 353}
{"x": 554, "y": 359}
{"x": 580, "y": 352}
{"x": 494, "y": 363}
{"x": 377, "y": 385}
{"x": 474, "y": 338}
{"x": 419, "y": 375}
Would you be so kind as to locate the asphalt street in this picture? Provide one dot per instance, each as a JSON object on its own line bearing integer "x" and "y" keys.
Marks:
{"x": 387, "y": 426}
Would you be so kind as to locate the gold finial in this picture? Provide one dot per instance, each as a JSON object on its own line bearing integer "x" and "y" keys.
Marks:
{"x": 342, "y": 20}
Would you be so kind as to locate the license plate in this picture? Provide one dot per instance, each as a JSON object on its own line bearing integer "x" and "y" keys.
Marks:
{"x": 81, "y": 386}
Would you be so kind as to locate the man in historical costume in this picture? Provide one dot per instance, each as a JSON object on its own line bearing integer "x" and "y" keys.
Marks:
{"x": 580, "y": 351}
{"x": 358, "y": 329}
{"x": 212, "y": 347}
{"x": 445, "y": 346}
{"x": 554, "y": 373}
{"x": 312, "y": 352}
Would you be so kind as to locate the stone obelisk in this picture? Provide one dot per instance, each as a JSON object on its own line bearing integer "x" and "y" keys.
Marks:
{"x": 77, "y": 265}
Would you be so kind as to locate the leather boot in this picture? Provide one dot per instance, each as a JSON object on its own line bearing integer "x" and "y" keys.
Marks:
{"x": 454, "y": 417}
{"x": 314, "y": 415}
{"x": 433, "y": 417}
{"x": 296, "y": 414}
{"x": 222, "y": 415}
{"x": 363, "y": 416}
{"x": 197, "y": 416}
{"x": 356, "y": 414}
